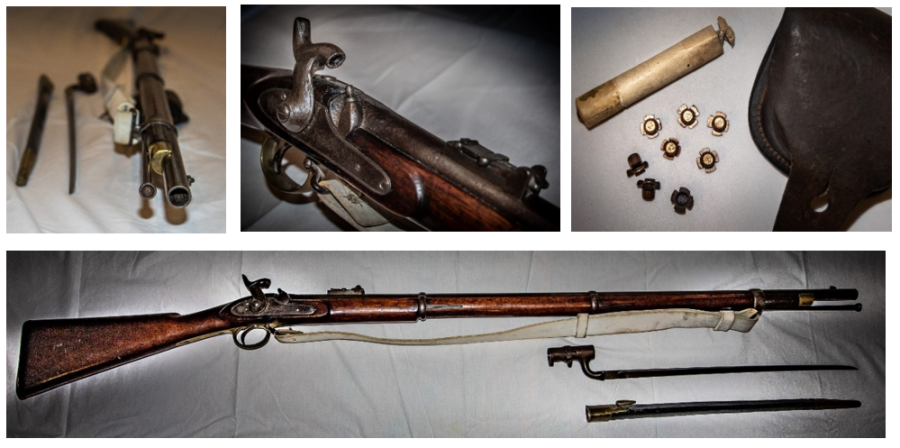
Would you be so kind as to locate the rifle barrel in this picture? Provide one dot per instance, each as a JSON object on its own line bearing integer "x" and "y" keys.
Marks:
{"x": 412, "y": 307}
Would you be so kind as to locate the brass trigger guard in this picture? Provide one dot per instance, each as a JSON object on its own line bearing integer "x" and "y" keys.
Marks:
{"x": 240, "y": 337}
{"x": 270, "y": 158}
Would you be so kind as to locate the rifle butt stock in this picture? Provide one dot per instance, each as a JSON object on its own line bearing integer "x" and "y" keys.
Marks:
{"x": 57, "y": 352}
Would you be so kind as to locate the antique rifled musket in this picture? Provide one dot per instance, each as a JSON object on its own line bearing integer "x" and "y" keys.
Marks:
{"x": 57, "y": 352}
{"x": 628, "y": 409}
{"x": 151, "y": 122}
{"x": 583, "y": 354}
{"x": 375, "y": 168}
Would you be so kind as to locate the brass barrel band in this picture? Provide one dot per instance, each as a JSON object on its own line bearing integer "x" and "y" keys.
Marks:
{"x": 806, "y": 299}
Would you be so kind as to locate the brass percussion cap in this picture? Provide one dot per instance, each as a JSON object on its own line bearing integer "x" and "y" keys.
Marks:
{"x": 687, "y": 116}
{"x": 708, "y": 160}
{"x": 719, "y": 123}
{"x": 670, "y": 148}
{"x": 651, "y": 126}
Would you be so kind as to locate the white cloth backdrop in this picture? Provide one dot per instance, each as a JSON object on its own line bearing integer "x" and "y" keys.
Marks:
{"x": 212, "y": 388}
{"x": 61, "y": 43}
{"x": 473, "y": 72}
{"x": 745, "y": 190}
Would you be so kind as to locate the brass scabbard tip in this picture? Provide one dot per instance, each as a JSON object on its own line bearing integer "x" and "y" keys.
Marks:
{"x": 604, "y": 413}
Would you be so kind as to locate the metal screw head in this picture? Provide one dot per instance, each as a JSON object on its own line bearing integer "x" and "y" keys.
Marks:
{"x": 687, "y": 116}
{"x": 670, "y": 148}
{"x": 256, "y": 305}
{"x": 719, "y": 123}
{"x": 651, "y": 126}
{"x": 284, "y": 113}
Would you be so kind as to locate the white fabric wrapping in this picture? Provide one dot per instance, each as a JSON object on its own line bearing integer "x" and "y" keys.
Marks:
{"x": 582, "y": 326}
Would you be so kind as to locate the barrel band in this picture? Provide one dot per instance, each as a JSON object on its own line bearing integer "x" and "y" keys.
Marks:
{"x": 420, "y": 311}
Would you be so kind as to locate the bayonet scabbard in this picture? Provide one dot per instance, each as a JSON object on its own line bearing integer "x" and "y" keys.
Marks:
{"x": 627, "y": 409}
{"x": 29, "y": 157}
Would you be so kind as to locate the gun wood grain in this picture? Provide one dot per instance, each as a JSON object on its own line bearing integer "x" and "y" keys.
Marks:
{"x": 56, "y": 352}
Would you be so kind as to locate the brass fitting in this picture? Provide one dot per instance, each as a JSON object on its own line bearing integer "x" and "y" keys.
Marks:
{"x": 718, "y": 123}
{"x": 604, "y": 413}
{"x": 687, "y": 116}
{"x": 707, "y": 160}
{"x": 608, "y": 99}
{"x": 651, "y": 126}
{"x": 158, "y": 153}
{"x": 670, "y": 148}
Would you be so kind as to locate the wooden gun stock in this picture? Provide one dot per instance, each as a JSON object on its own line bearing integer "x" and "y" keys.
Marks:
{"x": 57, "y": 352}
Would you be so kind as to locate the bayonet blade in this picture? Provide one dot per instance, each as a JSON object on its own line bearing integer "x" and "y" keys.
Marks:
{"x": 651, "y": 373}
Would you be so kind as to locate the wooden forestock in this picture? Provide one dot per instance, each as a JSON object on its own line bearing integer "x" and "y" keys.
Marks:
{"x": 57, "y": 352}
